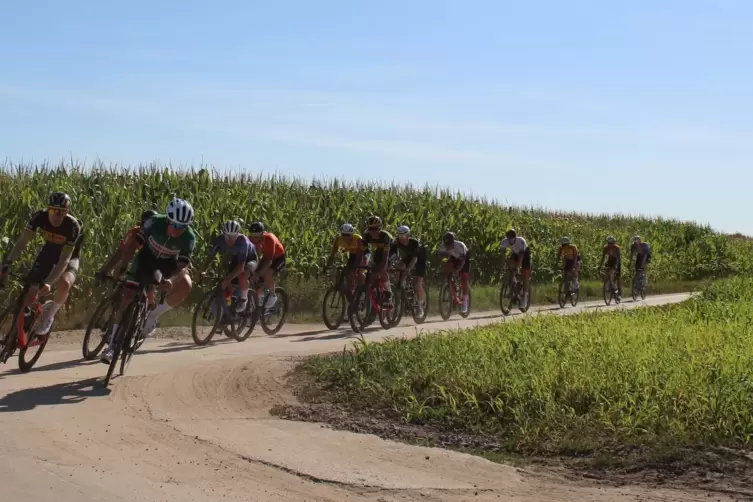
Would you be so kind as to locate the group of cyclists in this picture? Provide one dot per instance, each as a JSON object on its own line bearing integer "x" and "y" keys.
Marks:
{"x": 166, "y": 243}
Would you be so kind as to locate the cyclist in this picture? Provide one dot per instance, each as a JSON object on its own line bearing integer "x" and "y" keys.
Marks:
{"x": 238, "y": 257}
{"x": 272, "y": 260}
{"x": 612, "y": 253}
{"x": 458, "y": 262}
{"x": 57, "y": 263}
{"x": 114, "y": 261}
{"x": 380, "y": 240}
{"x": 352, "y": 243}
{"x": 164, "y": 242}
{"x": 520, "y": 257}
{"x": 642, "y": 252}
{"x": 411, "y": 253}
{"x": 572, "y": 259}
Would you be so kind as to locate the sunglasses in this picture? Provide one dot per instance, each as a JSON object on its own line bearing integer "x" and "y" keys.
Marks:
{"x": 178, "y": 226}
{"x": 374, "y": 229}
{"x": 56, "y": 211}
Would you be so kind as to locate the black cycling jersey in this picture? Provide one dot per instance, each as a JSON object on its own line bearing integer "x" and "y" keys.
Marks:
{"x": 382, "y": 242}
{"x": 68, "y": 234}
{"x": 410, "y": 250}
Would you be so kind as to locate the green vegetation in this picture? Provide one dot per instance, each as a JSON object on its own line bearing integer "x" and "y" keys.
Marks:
{"x": 660, "y": 376}
{"x": 306, "y": 216}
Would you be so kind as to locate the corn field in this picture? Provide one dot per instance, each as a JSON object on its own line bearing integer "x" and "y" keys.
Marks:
{"x": 307, "y": 215}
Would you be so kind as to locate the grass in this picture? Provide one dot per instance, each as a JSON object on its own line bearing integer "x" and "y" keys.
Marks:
{"x": 661, "y": 378}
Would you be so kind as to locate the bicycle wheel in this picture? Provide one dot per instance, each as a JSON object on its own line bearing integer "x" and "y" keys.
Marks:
{"x": 272, "y": 322}
{"x": 360, "y": 309}
{"x": 506, "y": 297}
{"x": 561, "y": 295}
{"x": 574, "y": 297}
{"x": 399, "y": 304}
{"x": 634, "y": 290}
{"x": 136, "y": 314}
{"x": 33, "y": 341}
{"x": 421, "y": 319}
{"x": 210, "y": 310}
{"x": 101, "y": 320}
{"x": 8, "y": 327}
{"x": 334, "y": 306}
{"x": 445, "y": 301}
{"x": 468, "y": 309}
{"x": 527, "y": 294}
{"x": 644, "y": 286}
{"x": 608, "y": 291}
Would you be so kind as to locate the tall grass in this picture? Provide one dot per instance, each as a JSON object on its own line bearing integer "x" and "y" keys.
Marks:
{"x": 676, "y": 374}
{"x": 306, "y": 215}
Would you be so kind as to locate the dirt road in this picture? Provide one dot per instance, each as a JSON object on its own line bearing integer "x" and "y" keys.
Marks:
{"x": 192, "y": 424}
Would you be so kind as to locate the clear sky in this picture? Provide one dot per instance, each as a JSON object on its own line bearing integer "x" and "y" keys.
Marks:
{"x": 643, "y": 106}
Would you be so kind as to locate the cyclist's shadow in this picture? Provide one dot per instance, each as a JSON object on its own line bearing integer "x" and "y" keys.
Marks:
{"x": 61, "y": 393}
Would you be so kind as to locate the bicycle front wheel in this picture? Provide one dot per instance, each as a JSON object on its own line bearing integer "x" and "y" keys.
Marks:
{"x": 445, "y": 301}
{"x": 272, "y": 322}
{"x": 334, "y": 306}
{"x": 608, "y": 292}
{"x": 561, "y": 295}
{"x": 99, "y": 324}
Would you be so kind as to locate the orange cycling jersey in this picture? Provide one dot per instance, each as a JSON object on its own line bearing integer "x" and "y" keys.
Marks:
{"x": 270, "y": 246}
{"x": 129, "y": 236}
{"x": 612, "y": 249}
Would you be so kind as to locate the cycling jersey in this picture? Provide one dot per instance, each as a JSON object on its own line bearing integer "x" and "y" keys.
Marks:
{"x": 568, "y": 252}
{"x": 67, "y": 234}
{"x": 456, "y": 250}
{"x": 410, "y": 250}
{"x": 153, "y": 235}
{"x": 642, "y": 249}
{"x": 517, "y": 247}
{"x": 354, "y": 246}
{"x": 612, "y": 250}
{"x": 270, "y": 246}
{"x": 242, "y": 250}
{"x": 379, "y": 243}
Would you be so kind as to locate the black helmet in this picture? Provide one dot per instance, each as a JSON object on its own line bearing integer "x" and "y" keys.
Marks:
{"x": 511, "y": 234}
{"x": 59, "y": 200}
{"x": 256, "y": 228}
{"x": 146, "y": 215}
{"x": 448, "y": 238}
{"x": 374, "y": 222}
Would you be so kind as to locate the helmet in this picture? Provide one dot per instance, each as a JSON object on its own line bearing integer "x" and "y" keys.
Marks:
{"x": 511, "y": 234}
{"x": 636, "y": 238}
{"x": 403, "y": 230}
{"x": 611, "y": 239}
{"x": 565, "y": 241}
{"x": 347, "y": 229}
{"x": 146, "y": 215}
{"x": 448, "y": 238}
{"x": 374, "y": 222}
{"x": 231, "y": 227}
{"x": 256, "y": 227}
{"x": 59, "y": 200}
{"x": 179, "y": 211}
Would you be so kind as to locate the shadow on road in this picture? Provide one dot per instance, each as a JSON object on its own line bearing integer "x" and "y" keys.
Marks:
{"x": 61, "y": 393}
{"x": 301, "y": 333}
{"x": 342, "y": 333}
{"x": 51, "y": 367}
{"x": 181, "y": 346}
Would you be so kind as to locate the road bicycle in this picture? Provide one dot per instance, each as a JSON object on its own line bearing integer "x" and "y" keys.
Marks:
{"x": 272, "y": 319}
{"x": 130, "y": 335}
{"x": 406, "y": 301}
{"x": 218, "y": 307}
{"x": 21, "y": 333}
{"x": 610, "y": 288}
{"x": 337, "y": 299}
{"x": 369, "y": 302}
{"x": 640, "y": 284}
{"x": 511, "y": 293}
{"x": 451, "y": 298}
{"x": 568, "y": 290}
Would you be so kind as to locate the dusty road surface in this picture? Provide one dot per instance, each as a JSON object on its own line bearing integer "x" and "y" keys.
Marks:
{"x": 192, "y": 424}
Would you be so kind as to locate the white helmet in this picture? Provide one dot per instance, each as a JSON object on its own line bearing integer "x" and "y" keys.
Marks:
{"x": 636, "y": 238}
{"x": 403, "y": 230}
{"x": 565, "y": 241}
{"x": 347, "y": 229}
{"x": 179, "y": 211}
{"x": 231, "y": 227}
{"x": 611, "y": 239}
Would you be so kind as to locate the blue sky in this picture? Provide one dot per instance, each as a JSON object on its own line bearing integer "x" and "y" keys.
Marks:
{"x": 632, "y": 107}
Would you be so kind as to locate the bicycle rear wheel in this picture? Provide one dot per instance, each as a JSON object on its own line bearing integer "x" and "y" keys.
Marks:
{"x": 7, "y": 326}
{"x": 272, "y": 322}
{"x": 399, "y": 303}
{"x": 608, "y": 291}
{"x": 34, "y": 341}
{"x": 561, "y": 295}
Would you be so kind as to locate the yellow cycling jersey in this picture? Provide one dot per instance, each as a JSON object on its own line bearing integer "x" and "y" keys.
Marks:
{"x": 568, "y": 251}
{"x": 355, "y": 246}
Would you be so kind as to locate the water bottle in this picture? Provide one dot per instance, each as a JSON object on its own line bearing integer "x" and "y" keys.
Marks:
{"x": 27, "y": 319}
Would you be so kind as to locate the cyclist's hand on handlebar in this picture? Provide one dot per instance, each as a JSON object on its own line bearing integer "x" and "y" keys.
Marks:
{"x": 166, "y": 285}
{"x": 44, "y": 290}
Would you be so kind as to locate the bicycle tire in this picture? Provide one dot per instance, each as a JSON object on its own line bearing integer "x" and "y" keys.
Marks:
{"x": 208, "y": 298}
{"x": 132, "y": 336}
{"x": 574, "y": 297}
{"x": 608, "y": 291}
{"x": 282, "y": 299}
{"x": 119, "y": 342}
{"x": 506, "y": 297}
{"x": 561, "y": 297}
{"x": 8, "y": 342}
{"x": 399, "y": 301}
{"x": 422, "y": 319}
{"x": 342, "y": 301}
{"x": 444, "y": 292}
{"x": 24, "y": 365}
{"x": 90, "y": 355}
{"x": 360, "y": 297}
{"x": 527, "y": 296}
{"x": 467, "y": 312}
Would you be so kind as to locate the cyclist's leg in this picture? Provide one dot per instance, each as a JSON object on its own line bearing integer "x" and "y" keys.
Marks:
{"x": 526, "y": 268}
{"x": 277, "y": 265}
{"x": 419, "y": 273}
{"x": 62, "y": 289}
{"x": 465, "y": 275}
{"x": 352, "y": 273}
{"x": 180, "y": 290}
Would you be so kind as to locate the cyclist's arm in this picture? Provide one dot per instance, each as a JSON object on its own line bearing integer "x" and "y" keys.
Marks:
{"x": 240, "y": 266}
{"x": 60, "y": 266}
{"x": 20, "y": 245}
{"x": 334, "y": 251}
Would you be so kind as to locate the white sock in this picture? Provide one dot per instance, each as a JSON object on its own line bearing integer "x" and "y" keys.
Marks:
{"x": 271, "y": 299}
{"x": 465, "y": 301}
{"x": 115, "y": 328}
{"x": 160, "y": 309}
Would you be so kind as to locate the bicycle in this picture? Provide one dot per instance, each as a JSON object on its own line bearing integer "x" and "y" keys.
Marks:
{"x": 405, "y": 301}
{"x": 451, "y": 293}
{"x": 263, "y": 314}
{"x": 219, "y": 308}
{"x": 568, "y": 290}
{"x": 511, "y": 293}
{"x": 610, "y": 288}
{"x": 130, "y": 335}
{"x": 108, "y": 306}
{"x": 368, "y": 304}
{"x": 640, "y": 283}
{"x": 337, "y": 298}
{"x": 21, "y": 334}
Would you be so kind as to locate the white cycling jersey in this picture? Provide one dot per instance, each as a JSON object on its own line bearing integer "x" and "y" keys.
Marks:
{"x": 518, "y": 247}
{"x": 457, "y": 250}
